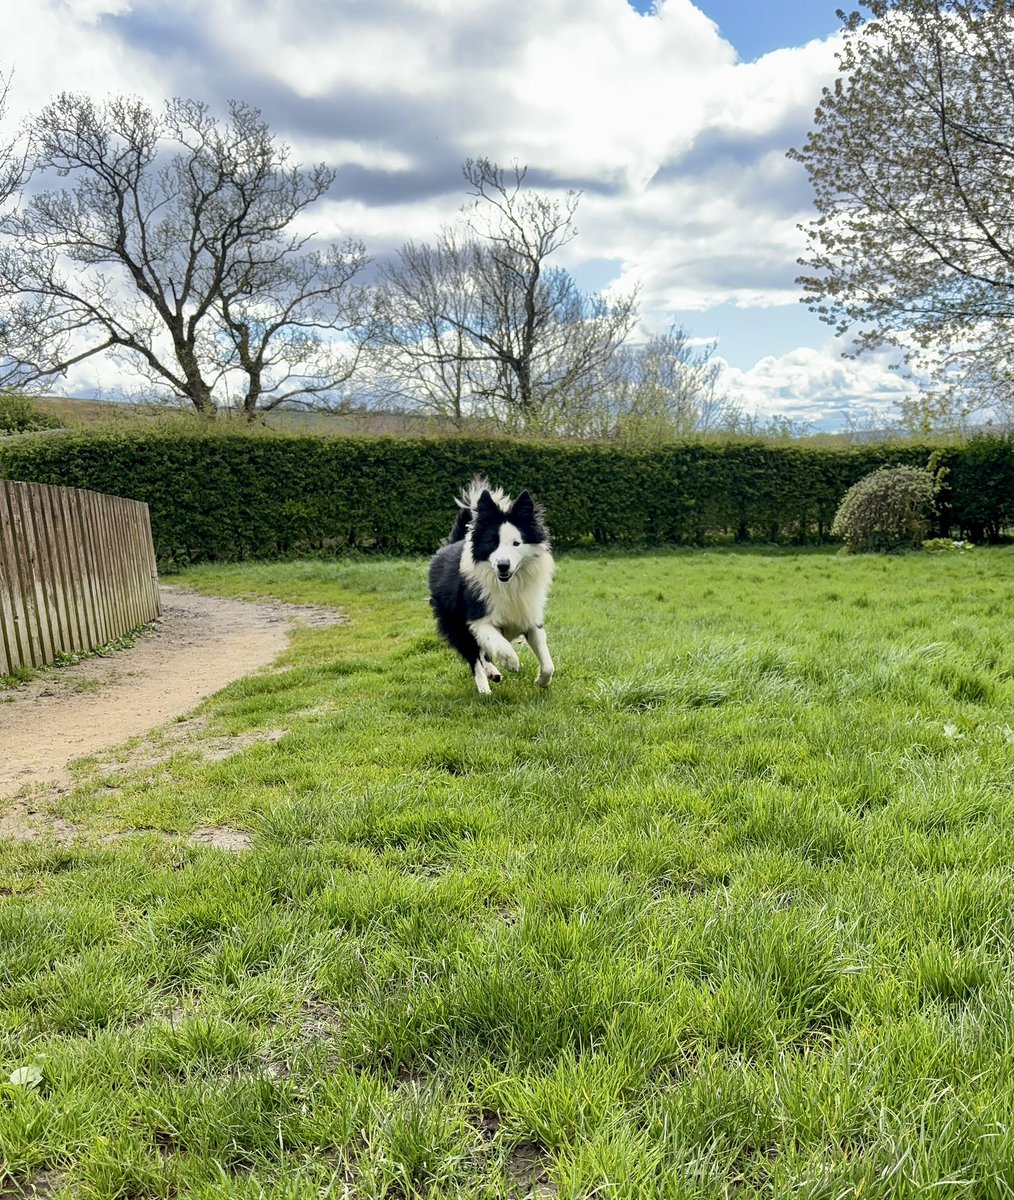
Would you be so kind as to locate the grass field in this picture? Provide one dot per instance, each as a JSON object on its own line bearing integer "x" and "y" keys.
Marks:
{"x": 727, "y": 912}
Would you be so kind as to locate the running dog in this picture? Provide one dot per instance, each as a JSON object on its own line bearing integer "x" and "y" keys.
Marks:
{"x": 489, "y": 582}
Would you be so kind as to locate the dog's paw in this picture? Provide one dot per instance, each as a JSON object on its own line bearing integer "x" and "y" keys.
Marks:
{"x": 511, "y": 660}
{"x": 545, "y": 678}
{"x": 492, "y": 674}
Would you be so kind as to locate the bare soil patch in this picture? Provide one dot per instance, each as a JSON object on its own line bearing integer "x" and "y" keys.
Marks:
{"x": 197, "y": 646}
{"x": 40, "y": 1187}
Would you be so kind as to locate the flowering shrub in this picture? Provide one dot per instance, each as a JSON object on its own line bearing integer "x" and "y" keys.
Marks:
{"x": 947, "y": 545}
{"x": 888, "y": 510}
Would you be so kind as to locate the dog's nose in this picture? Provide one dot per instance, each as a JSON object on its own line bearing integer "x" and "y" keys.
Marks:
{"x": 504, "y": 567}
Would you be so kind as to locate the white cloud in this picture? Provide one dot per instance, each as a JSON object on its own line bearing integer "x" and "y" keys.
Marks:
{"x": 50, "y": 47}
{"x": 820, "y": 385}
{"x": 754, "y": 97}
{"x": 719, "y": 224}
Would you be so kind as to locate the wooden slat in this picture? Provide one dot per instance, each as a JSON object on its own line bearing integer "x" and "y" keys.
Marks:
{"x": 77, "y": 570}
{"x": 134, "y": 563}
{"x": 17, "y": 653}
{"x": 84, "y": 581}
{"x": 25, "y": 548}
{"x": 130, "y": 565}
{"x": 56, "y": 537}
{"x": 67, "y": 536}
{"x": 92, "y": 536}
{"x": 50, "y": 585}
{"x": 153, "y": 603}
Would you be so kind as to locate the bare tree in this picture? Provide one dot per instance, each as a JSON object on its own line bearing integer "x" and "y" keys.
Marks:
{"x": 910, "y": 159}
{"x": 13, "y": 154}
{"x": 533, "y": 323}
{"x": 15, "y": 328}
{"x": 665, "y": 388}
{"x": 175, "y": 251}
{"x": 671, "y": 385}
{"x": 482, "y": 324}
{"x": 424, "y": 357}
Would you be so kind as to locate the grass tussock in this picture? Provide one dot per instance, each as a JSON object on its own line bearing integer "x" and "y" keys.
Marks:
{"x": 725, "y": 912}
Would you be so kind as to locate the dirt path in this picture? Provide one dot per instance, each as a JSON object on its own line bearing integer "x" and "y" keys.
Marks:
{"x": 199, "y": 644}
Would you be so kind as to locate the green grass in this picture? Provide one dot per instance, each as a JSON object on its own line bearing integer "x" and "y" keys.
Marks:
{"x": 726, "y": 912}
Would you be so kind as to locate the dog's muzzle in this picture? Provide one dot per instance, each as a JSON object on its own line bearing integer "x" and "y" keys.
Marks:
{"x": 503, "y": 571}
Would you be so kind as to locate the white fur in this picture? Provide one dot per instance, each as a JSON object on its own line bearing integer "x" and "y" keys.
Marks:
{"x": 536, "y": 638}
{"x": 481, "y": 678}
{"x": 519, "y": 604}
{"x": 470, "y": 496}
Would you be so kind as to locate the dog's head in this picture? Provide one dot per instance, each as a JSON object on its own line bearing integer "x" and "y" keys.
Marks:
{"x": 507, "y": 537}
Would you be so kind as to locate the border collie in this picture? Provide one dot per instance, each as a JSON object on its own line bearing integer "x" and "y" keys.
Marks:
{"x": 489, "y": 582}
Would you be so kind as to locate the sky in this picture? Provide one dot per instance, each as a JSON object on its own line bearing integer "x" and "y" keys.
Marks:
{"x": 671, "y": 117}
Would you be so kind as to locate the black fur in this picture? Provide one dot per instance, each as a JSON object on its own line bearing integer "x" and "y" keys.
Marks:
{"x": 460, "y": 525}
{"x": 454, "y": 603}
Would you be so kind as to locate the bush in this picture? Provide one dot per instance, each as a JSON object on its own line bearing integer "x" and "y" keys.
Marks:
{"x": 19, "y": 415}
{"x": 888, "y": 510}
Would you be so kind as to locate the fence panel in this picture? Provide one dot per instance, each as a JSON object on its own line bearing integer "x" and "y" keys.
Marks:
{"x": 77, "y": 569}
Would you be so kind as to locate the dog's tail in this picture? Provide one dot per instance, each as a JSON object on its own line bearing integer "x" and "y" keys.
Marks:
{"x": 468, "y": 501}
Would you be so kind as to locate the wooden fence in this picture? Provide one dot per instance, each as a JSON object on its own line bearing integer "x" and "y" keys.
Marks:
{"x": 77, "y": 569}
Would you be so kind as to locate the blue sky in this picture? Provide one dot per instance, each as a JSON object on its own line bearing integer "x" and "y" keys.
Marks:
{"x": 672, "y": 119}
{"x": 755, "y": 27}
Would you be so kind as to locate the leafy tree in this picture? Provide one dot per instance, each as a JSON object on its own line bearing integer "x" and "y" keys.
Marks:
{"x": 176, "y": 250}
{"x": 664, "y": 388}
{"x": 19, "y": 414}
{"x": 910, "y": 159}
{"x": 482, "y": 324}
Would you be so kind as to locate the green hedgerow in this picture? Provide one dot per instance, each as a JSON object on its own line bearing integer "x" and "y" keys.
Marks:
{"x": 18, "y": 414}
{"x": 216, "y": 492}
{"x": 886, "y": 511}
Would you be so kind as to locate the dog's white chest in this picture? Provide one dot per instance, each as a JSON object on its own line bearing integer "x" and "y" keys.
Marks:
{"x": 519, "y": 605}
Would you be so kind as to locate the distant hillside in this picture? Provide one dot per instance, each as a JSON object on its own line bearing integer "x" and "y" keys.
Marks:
{"x": 78, "y": 410}
{"x": 85, "y": 411}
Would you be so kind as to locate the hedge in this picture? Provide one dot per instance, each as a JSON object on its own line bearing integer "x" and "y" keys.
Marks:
{"x": 221, "y": 494}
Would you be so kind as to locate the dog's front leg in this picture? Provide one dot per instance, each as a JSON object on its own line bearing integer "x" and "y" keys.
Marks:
{"x": 495, "y": 645}
{"x": 492, "y": 673}
{"x": 481, "y": 677}
{"x": 484, "y": 672}
{"x": 536, "y": 638}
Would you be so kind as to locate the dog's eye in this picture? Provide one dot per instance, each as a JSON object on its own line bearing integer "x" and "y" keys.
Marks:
{"x": 517, "y": 543}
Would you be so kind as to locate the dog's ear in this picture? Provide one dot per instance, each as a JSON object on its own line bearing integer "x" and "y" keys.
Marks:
{"x": 486, "y": 506}
{"x": 524, "y": 507}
